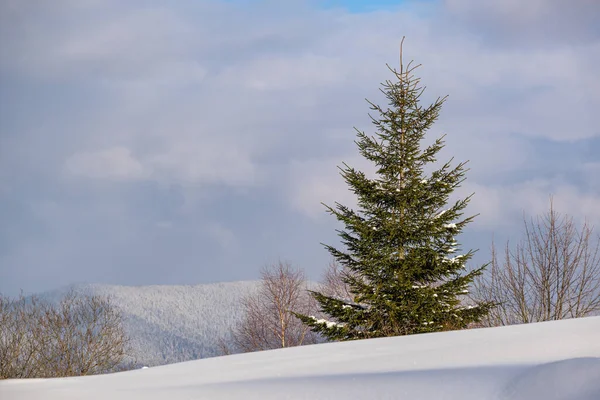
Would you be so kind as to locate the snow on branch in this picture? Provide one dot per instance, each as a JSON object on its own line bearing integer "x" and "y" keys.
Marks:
{"x": 329, "y": 324}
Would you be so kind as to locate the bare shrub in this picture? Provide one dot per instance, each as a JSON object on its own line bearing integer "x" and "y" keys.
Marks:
{"x": 269, "y": 322}
{"x": 552, "y": 274}
{"x": 20, "y": 337}
{"x": 81, "y": 335}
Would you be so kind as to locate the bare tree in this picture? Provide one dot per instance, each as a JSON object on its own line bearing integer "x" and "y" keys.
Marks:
{"x": 82, "y": 335}
{"x": 269, "y": 322}
{"x": 553, "y": 273}
{"x": 334, "y": 282}
{"x": 19, "y": 330}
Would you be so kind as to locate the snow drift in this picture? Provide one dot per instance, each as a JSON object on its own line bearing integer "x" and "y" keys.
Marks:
{"x": 550, "y": 360}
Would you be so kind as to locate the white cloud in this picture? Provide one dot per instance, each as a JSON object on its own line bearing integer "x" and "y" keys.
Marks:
{"x": 204, "y": 163}
{"x": 223, "y": 236}
{"x": 116, "y": 163}
{"x": 531, "y": 23}
{"x": 98, "y": 41}
{"x": 502, "y": 207}
{"x": 288, "y": 72}
{"x": 313, "y": 182}
{"x": 202, "y": 94}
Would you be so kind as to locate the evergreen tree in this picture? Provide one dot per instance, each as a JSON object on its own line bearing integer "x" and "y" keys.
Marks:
{"x": 404, "y": 271}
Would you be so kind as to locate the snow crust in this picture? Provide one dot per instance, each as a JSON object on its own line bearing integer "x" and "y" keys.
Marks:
{"x": 552, "y": 360}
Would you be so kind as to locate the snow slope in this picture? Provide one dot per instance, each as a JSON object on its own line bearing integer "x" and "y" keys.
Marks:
{"x": 551, "y": 360}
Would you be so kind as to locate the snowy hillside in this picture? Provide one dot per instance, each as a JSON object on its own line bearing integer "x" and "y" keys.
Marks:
{"x": 552, "y": 360}
{"x": 170, "y": 324}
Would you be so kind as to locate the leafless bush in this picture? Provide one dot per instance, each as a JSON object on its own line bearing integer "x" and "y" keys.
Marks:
{"x": 82, "y": 335}
{"x": 553, "y": 273}
{"x": 20, "y": 329}
{"x": 268, "y": 321}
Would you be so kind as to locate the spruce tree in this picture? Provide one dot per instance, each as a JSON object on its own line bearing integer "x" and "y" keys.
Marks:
{"x": 404, "y": 267}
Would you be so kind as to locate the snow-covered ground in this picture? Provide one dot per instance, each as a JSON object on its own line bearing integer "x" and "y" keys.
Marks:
{"x": 551, "y": 360}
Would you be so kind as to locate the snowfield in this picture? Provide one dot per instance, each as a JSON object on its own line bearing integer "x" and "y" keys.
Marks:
{"x": 550, "y": 360}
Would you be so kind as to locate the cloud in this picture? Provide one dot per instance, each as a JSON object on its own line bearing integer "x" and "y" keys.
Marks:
{"x": 502, "y": 207}
{"x": 115, "y": 163}
{"x": 286, "y": 73}
{"x": 223, "y": 236}
{"x": 112, "y": 42}
{"x": 208, "y": 163}
{"x": 316, "y": 182}
{"x": 540, "y": 23}
{"x": 191, "y": 115}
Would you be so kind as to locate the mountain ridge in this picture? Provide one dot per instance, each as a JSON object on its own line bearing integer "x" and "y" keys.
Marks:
{"x": 172, "y": 323}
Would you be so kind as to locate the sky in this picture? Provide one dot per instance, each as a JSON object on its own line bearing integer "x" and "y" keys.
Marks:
{"x": 149, "y": 142}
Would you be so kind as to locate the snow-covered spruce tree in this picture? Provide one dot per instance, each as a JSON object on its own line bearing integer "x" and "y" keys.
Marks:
{"x": 403, "y": 269}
